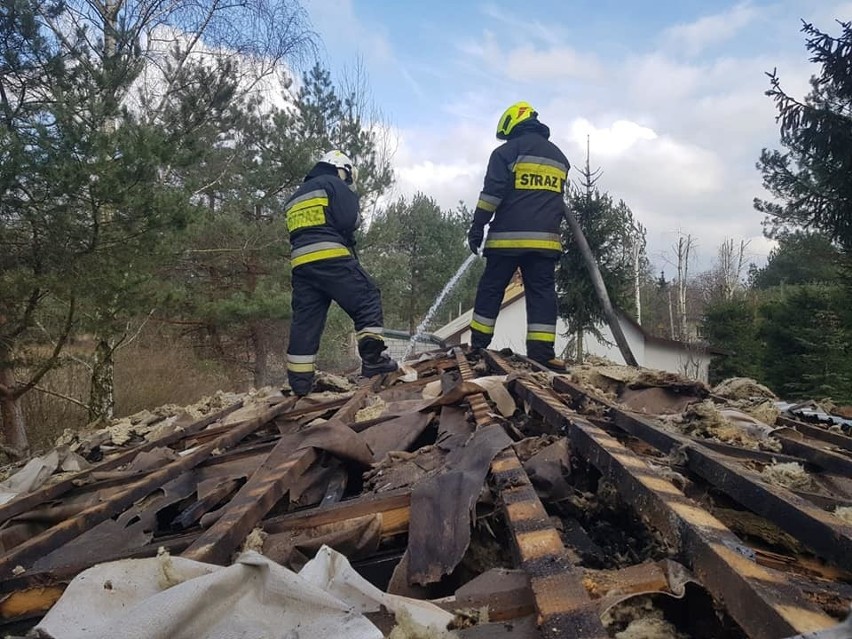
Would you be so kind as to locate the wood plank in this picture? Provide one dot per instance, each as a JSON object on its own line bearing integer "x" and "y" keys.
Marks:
{"x": 760, "y": 601}
{"x": 825, "y": 459}
{"x": 261, "y": 492}
{"x": 51, "y": 539}
{"x": 826, "y": 535}
{"x": 393, "y": 506}
{"x": 290, "y": 414}
{"x": 269, "y": 483}
{"x": 564, "y": 607}
{"x": 36, "y": 498}
{"x": 815, "y": 432}
{"x": 32, "y": 601}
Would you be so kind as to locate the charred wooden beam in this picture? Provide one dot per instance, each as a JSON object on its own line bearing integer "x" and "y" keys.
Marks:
{"x": 261, "y": 492}
{"x": 48, "y": 541}
{"x": 823, "y": 533}
{"x": 764, "y": 605}
{"x": 562, "y": 602}
{"x": 394, "y": 507}
{"x": 825, "y": 459}
{"x": 321, "y": 407}
{"x": 815, "y": 432}
{"x": 48, "y": 493}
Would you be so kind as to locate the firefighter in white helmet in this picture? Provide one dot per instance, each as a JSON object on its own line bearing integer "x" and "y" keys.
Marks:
{"x": 322, "y": 216}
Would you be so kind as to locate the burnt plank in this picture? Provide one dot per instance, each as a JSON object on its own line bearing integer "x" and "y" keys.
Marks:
{"x": 564, "y": 607}
{"x": 761, "y": 601}
{"x": 291, "y": 457}
{"x": 27, "y": 502}
{"x": 826, "y": 459}
{"x": 260, "y": 493}
{"x": 824, "y": 534}
{"x": 393, "y": 506}
{"x": 197, "y": 510}
{"x": 52, "y": 538}
{"x": 321, "y": 407}
{"x": 815, "y": 432}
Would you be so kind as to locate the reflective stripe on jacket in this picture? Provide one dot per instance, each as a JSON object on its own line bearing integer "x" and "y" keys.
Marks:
{"x": 522, "y": 193}
{"x": 322, "y": 216}
{"x": 318, "y": 251}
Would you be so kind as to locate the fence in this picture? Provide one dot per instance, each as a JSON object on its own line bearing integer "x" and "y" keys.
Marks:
{"x": 397, "y": 343}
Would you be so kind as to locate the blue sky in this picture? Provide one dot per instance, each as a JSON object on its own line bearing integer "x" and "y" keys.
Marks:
{"x": 670, "y": 93}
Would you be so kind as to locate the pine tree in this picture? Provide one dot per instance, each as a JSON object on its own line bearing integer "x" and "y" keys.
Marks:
{"x": 732, "y": 326}
{"x": 412, "y": 248}
{"x": 811, "y": 177}
{"x": 609, "y": 229}
{"x": 799, "y": 258}
{"x": 807, "y": 353}
{"x": 331, "y": 117}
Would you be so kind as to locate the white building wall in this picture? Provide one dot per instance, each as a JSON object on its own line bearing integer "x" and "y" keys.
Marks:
{"x": 693, "y": 362}
{"x": 510, "y": 331}
{"x": 609, "y": 349}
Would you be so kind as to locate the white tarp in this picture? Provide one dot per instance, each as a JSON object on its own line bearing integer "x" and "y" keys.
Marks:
{"x": 175, "y": 598}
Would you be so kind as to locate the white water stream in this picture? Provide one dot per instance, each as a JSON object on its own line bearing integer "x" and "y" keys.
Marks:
{"x": 430, "y": 314}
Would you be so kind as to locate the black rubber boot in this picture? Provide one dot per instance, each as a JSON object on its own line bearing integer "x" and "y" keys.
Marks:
{"x": 374, "y": 361}
{"x": 301, "y": 384}
{"x": 380, "y": 365}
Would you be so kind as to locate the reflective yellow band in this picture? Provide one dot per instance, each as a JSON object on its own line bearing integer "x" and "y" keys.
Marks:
{"x": 482, "y": 328}
{"x": 531, "y": 176}
{"x": 308, "y": 213}
{"x": 486, "y": 206}
{"x": 327, "y": 254}
{"x": 306, "y": 204}
{"x": 549, "y": 245}
{"x": 296, "y": 367}
{"x": 377, "y": 336}
{"x": 541, "y": 337}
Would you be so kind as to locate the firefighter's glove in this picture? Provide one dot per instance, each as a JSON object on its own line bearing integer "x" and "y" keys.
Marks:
{"x": 474, "y": 237}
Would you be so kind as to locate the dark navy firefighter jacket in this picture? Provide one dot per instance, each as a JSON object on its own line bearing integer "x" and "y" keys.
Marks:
{"x": 322, "y": 216}
{"x": 522, "y": 194}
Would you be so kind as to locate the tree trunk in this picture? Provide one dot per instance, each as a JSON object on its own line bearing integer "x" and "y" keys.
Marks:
{"x": 14, "y": 428}
{"x": 102, "y": 389}
{"x": 580, "y": 346}
{"x": 636, "y": 283}
{"x": 671, "y": 317}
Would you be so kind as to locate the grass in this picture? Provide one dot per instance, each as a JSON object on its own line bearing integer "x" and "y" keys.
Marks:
{"x": 153, "y": 371}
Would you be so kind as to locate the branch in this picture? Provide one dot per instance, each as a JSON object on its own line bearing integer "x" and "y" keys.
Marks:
{"x": 47, "y": 391}
{"x": 127, "y": 342}
{"x": 33, "y": 301}
{"x": 51, "y": 361}
{"x": 182, "y": 62}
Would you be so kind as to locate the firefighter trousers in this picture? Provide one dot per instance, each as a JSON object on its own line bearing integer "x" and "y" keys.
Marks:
{"x": 315, "y": 286}
{"x": 538, "y": 273}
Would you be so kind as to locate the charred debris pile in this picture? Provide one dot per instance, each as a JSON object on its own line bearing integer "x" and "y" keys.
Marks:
{"x": 611, "y": 501}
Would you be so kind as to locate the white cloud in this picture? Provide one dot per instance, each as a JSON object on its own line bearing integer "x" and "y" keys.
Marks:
{"x": 528, "y": 64}
{"x": 694, "y": 37}
{"x": 340, "y": 27}
{"x": 677, "y": 137}
{"x": 609, "y": 141}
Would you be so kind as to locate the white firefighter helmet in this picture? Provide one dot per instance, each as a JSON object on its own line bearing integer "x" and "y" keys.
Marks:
{"x": 345, "y": 169}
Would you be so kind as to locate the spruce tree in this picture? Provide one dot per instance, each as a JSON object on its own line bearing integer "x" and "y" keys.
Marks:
{"x": 809, "y": 179}
{"x": 609, "y": 228}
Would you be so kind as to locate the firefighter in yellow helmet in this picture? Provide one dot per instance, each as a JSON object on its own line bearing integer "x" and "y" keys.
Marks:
{"x": 521, "y": 201}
